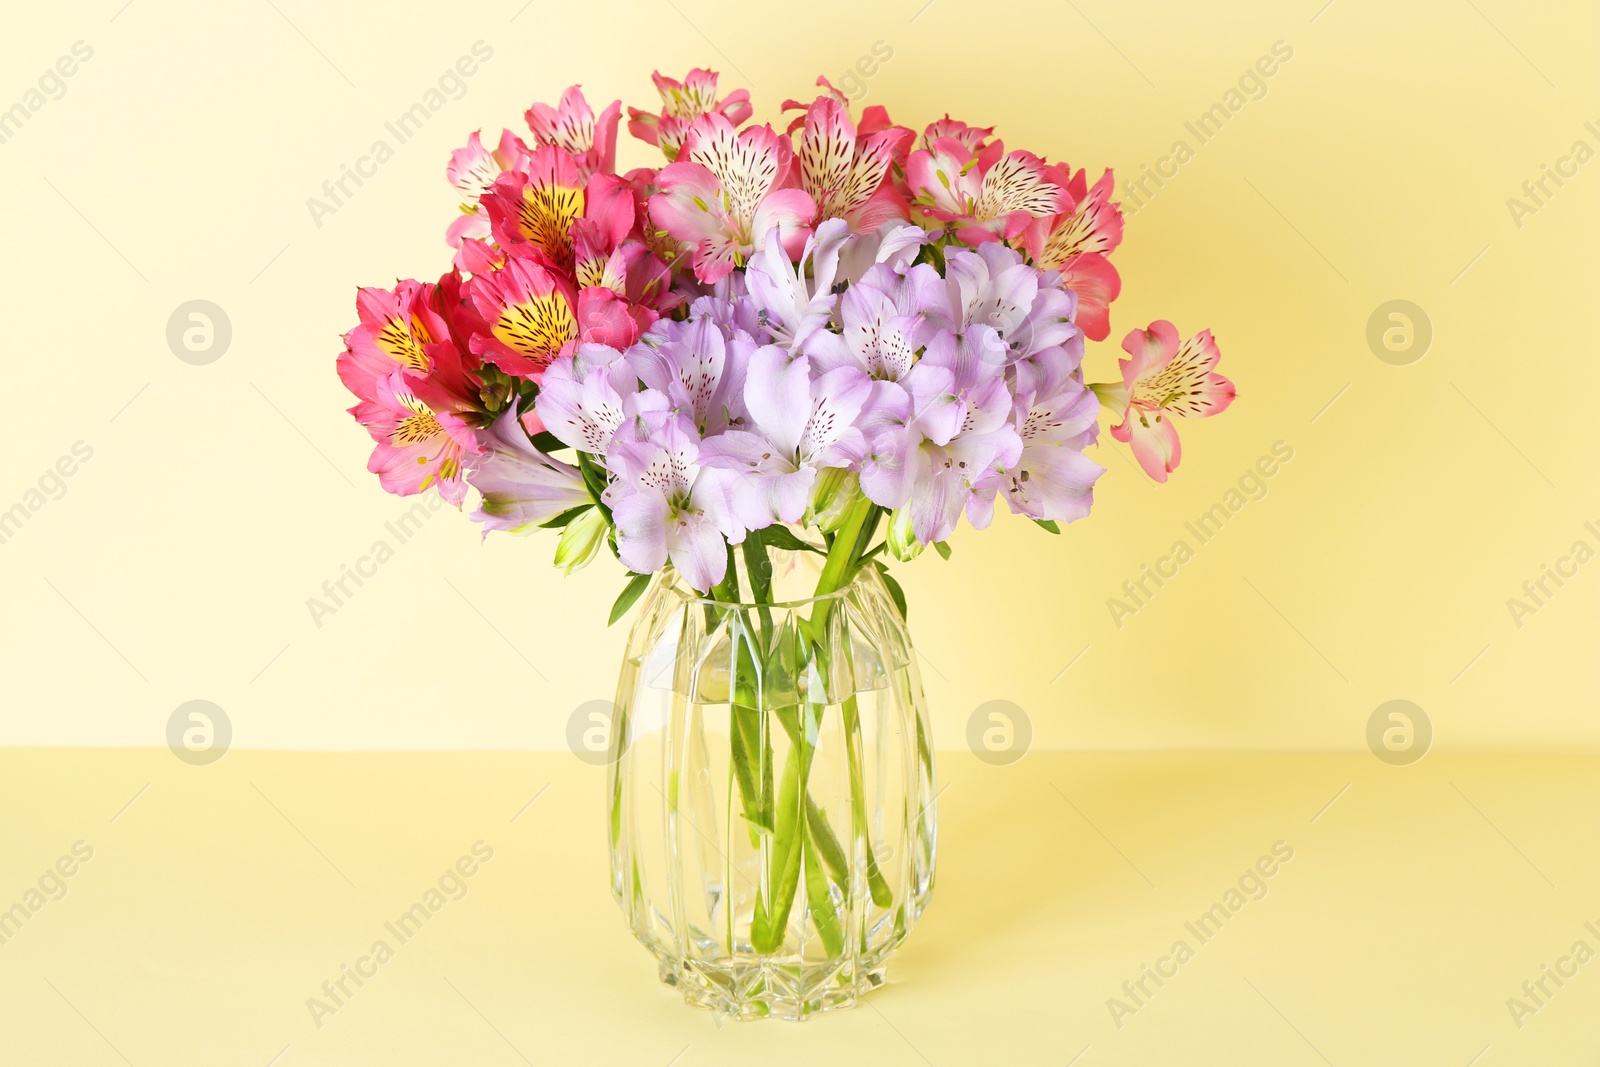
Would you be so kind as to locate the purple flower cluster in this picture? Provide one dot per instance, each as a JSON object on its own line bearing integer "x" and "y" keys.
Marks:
{"x": 933, "y": 382}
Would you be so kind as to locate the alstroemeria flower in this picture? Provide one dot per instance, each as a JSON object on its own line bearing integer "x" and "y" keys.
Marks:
{"x": 896, "y": 244}
{"x": 976, "y": 400}
{"x": 528, "y": 314}
{"x": 520, "y": 484}
{"x": 421, "y": 330}
{"x": 804, "y": 424}
{"x": 797, "y": 299}
{"x": 605, "y": 318}
{"x": 984, "y": 195}
{"x": 397, "y": 328}
{"x": 939, "y": 440}
{"x": 1091, "y": 222}
{"x": 697, "y": 368}
{"x": 1029, "y": 312}
{"x": 473, "y": 170}
{"x": 726, "y": 193}
{"x": 573, "y": 126}
{"x": 416, "y": 446}
{"x": 886, "y": 321}
{"x": 1077, "y": 242}
{"x": 972, "y": 138}
{"x": 682, "y": 103}
{"x": 1160, "y": 381}
{"x": 936, "y": 484}
{"x": 581, "y": 400}
{"x": 1056, "y": 418}
{"x": 537, "y": 208}
{"x": 663, "y": 507}
{"x": 846, "y": 173}
{"x": 608, "y": 253}
{"x": 960, "y": 478}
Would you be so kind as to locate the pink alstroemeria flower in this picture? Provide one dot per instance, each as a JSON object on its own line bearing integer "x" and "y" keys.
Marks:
{"x": 572, "y": 125}
{"x": 537, "y": 207}
{"x": 684, "y": 102}
{"x": 1163, "y": 380}
{"x": 528, "y": 314}
{"x": 416, "y": 446}
{"x": 727, "y": 191}
{"x": 846, "y": 172}
{"x": 397, "y": 328}
{"x": 1077, "y": 242}
{"x": 421, "y": 330}
{"x": 607, "y": 251}
{"x": 972, "y": 138}
{"x": 473, "y": 170}
{"x": 982, "y": 195}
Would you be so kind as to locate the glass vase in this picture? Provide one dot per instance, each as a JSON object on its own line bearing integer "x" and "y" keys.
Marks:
{"x": 771, "y": 790}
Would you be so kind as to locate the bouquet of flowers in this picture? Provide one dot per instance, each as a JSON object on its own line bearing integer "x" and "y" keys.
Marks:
{"x": 833, "y": 326}
{"x": 778, "y": 340}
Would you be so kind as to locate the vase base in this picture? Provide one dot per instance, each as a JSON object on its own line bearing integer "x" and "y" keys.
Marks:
{"x": 771, "y": 989}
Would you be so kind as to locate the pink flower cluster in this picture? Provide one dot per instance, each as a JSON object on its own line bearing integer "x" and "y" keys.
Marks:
{"x": 766, "y": 329}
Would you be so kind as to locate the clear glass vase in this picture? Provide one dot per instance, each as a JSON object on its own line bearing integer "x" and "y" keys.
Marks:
{"x": 771, "y": 791}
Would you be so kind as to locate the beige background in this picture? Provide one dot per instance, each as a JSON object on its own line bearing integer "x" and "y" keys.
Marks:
{"x": 218, "y": 903}
{"x": 178, "y": 565}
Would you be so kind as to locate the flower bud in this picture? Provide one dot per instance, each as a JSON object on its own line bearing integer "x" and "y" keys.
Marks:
{"x": 836, "y": 492}
{"x": 581, "y": 540}
{"x": 903, "y": 544}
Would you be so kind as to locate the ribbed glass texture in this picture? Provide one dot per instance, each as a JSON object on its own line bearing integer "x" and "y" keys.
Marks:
{"x": 771, "y": 795}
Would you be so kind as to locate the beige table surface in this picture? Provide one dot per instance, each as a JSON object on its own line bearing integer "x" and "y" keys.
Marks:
{"x": 219, "y": 899}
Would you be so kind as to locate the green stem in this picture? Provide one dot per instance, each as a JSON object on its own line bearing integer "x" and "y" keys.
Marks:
{"x": 802, "y": 839}
{"x": 745, "y": 725}
{"x": 877, "y": 885}
{"x": 770, "y": 921}
{"x": 847, "y": 547}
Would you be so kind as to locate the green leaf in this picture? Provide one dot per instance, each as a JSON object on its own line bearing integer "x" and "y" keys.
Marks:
{"x": 565, "y": 517}
{"x": 594, "y": 480}
{"x": 895, "y": 591}
{"x": 942, "y": 548}
{"x": 757, "y": 565}
{"x": 778, "y": 536}
{"x": 931, "y": 253}
{"x": 630, "y": 593}
{"x": 1048, "y": 524}
{"x": 547, "y": 442}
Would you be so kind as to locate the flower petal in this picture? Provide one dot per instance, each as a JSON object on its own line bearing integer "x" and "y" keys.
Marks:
{"x": 1154, "y": 439}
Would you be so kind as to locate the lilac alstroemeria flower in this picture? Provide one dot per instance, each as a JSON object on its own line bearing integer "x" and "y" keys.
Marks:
{"x": 793, "y": 306}
{"x": 1029, "y": 312}
{"x": 806, "y": 423}
{"x": 978, "y": 400}
{"x": 665, "y": 508}
{"x": 1056, "y": 418}
{"x": 895, "y": 244}
{"x": 961, "y": 476}
{"x": 698, "y": 369}
{"x": 885, "y": 319}
{"x": 520, "y": 484}
{"x": 581, "y": 399}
